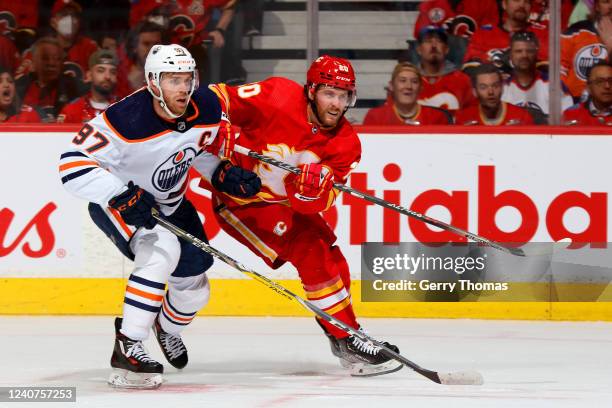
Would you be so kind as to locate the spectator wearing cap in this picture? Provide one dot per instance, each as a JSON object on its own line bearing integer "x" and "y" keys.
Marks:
{"x": 597, "y": 109}
{"x": 443, "y": 85}
{"x": 402, "y": 108}
{"x": 11, "y": 110}
{"x": 102, "y": 75}
{"x": 47, "y": 88}
{"x": 491, "y": 43}
{"x": 528, "y": 86}
{"x": 490, "y": 109}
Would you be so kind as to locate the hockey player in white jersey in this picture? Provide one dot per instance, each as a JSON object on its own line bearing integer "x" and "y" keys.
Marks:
{"x": 131, "y": 158}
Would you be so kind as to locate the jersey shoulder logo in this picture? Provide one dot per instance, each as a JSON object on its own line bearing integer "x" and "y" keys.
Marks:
{"x": 173, "y": 169}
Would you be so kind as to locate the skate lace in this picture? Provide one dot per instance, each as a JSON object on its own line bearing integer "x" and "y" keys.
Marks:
{"x": 365, "y": 346}
{"x": 173, "y": 344}
{"x": 138, "y": 351}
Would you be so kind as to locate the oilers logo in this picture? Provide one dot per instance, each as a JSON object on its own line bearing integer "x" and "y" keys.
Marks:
{"x": 172, "y": 171}
{"x": 588, "y": 56}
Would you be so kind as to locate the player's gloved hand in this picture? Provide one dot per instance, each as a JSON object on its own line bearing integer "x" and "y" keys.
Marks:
{"x": 235, "y": 180}
{"x": 316, "y": 180}
{"x": 135, "y": 205}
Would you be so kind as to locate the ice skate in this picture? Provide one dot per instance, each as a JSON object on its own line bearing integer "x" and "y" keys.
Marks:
{"x": 172, "y": 346}
{"x": 132, "y": 365}
{"x": 366, "y": 359}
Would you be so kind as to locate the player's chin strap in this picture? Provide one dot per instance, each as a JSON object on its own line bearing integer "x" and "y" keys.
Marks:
{"x": 161, "y": 100}
{"x": 531, "y": 251}
{"x": 454, "y": 378}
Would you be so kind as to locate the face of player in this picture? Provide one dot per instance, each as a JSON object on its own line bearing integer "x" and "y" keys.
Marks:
{"x": 176, "y": 87}
{"x": 603, "y": 8}
{"x": 405, "y": 88}
{"x": 489, "y": 90}
{"x": 523, "y": 55}
{"x": 7, "y": 91}
{"x": 104, "y": 79}
{"x": 145, "y": 42}
{"x": 331, "y": 104}
{"x": 517, "y": 10}
{"x": 600, "y": 86}
{"x": 432, "y": 50}
{"x": 47, "y": 62}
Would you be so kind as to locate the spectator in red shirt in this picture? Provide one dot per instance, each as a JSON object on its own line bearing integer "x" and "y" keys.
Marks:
{"x": 11, "y": 111}
{"x": 102, "y": 75}
{"x": 490, "y": 110}
{"x": 491, "y": 43}
{"x": 597, "y": 110}
{"x": 443, "y": 85}
{"x": 65, "y": 26}
{"x": 47, "y": 88}
{"x": 402, "y": 108}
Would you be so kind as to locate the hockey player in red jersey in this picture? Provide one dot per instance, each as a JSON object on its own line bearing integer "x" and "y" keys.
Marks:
{"x": 597, "y": 110}
{"x": 402, "y": 108}
{"x": 134, "y": 157}
{"x": 306, "y": 127}
{"x": 491, "y": 111}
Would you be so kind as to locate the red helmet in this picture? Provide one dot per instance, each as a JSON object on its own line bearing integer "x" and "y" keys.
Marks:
{"x": 332, "y": 71}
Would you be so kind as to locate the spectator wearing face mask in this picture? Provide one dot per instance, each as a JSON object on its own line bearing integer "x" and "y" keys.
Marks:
{"x": 65, "y": 26}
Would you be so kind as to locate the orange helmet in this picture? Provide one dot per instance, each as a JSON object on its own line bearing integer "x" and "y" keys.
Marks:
{"x": 332, "y": 71}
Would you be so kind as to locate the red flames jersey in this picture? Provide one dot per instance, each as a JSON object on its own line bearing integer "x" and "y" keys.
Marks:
{"x": 451, "y": 91}
{"x": 26, "y": 115}
{"x": 581, "y": 48}
{"x": 388, "y": 115}
{"x": 490, "y": 41}
{"x": 272, "y": 116}
{"x": 581, "y": 115}
{"x": 462, "y": 21}
{"x": 188, "y": 19}
{"x": 511, "y": 115}
{"x": 79, "y": 111}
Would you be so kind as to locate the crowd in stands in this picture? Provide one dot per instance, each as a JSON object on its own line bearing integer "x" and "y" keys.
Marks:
{"x": 473, "y": 62}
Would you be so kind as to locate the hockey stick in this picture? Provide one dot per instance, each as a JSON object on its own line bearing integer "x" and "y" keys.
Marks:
{"x": 403, "y": 210}
{"x": 455, "y": 378}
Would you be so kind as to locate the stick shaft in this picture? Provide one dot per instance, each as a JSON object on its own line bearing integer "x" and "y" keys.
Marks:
{"x": 383, "y": 203}
{"x": 281, "y": 290}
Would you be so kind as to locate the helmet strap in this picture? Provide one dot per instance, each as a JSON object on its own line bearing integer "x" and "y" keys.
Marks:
{"x": 156, "y": 81}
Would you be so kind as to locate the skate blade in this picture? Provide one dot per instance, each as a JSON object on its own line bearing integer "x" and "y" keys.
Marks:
{"x": 372, "y": 370}
{"x": 131, "y": 380}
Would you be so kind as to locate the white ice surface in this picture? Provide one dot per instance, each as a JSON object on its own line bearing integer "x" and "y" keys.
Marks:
{"x": 286, "y": 362}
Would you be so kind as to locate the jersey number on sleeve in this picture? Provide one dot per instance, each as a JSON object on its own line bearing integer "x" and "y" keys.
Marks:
{"x": 87, "y": 131}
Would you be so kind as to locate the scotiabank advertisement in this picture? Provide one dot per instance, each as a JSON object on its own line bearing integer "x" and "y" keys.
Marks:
{"x": 506, "y": 187}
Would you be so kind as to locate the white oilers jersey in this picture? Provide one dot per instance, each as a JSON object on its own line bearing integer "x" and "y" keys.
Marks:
{"x": 130, "y": 142}
{"x": 534, "y": 95}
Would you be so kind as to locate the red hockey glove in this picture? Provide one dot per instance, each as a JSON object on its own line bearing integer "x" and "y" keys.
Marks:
{"x": 315, "y": 180}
